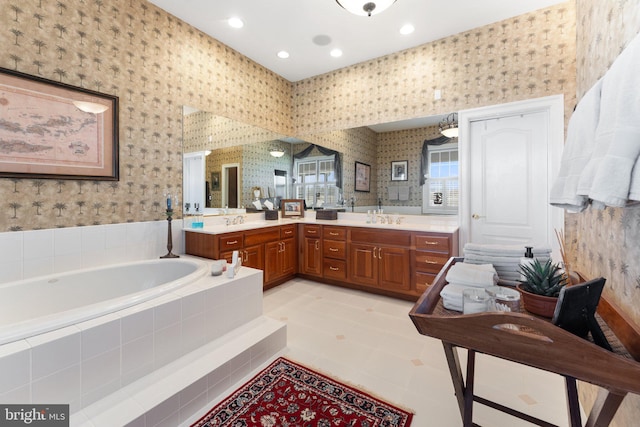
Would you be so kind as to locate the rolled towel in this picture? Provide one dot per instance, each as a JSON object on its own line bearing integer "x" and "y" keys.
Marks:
{"x": 471, "y": 275}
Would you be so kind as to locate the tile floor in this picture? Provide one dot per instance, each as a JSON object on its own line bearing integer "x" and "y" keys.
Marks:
{"x": 369, "y": 340}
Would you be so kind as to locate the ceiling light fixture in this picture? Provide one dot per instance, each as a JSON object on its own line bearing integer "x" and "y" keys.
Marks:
{"x": 364, "y": 7}
{"x": 90, "y": 107}
{"x": 235, "y": 22}
{"x": 283, "y": 54}
{"x": 449, "y": 126}
{"x": 336, "y": 53}
{"x": 276, "y": 152}
{"x": 407, "y": 29}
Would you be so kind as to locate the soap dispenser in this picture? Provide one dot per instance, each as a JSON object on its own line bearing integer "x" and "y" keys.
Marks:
{"x": 527, "y": 260}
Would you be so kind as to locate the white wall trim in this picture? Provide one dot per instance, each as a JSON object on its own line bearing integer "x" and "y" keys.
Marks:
{"x": 554, "y": 107}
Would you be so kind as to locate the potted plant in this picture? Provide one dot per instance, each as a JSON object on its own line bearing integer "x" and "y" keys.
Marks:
{"x": 541, "y": 288}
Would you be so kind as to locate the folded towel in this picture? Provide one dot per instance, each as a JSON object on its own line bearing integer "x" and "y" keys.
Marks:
{"x": 577, "y": 152}
{"x": 470, "y": 275}
{"x": 452, "y": 296}
{"x": 496, "y": 260}
{"x": 505, "y": 250}
{"x": 393, "y": 193}
{"x": 403, "y": 193}
{"x": 452, "y": 305}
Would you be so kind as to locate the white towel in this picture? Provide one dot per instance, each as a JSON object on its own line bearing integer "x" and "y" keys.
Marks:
{"x": 503, "y": 250}
{"x": 619, "y": 128}
{"x": 403, "y": 193}
{"x": 452, "y": 296}
{"x": 472, "y": 275}
{"x": 393, "y": 193}
{"x": 577, "y": 152}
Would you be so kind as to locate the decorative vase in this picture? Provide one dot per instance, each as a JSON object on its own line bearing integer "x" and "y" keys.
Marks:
{"x": 538, "y": 304}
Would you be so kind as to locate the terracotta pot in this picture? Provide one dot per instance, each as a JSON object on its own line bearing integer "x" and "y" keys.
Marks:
{"x": 538, "y": 304}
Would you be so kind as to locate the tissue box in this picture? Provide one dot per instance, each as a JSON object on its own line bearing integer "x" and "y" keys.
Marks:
{"x": 271, "y": 215}
{"x": 330, "y": 214}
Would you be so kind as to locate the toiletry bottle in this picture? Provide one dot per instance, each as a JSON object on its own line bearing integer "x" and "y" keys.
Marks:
{"x": 369, "y": 216}
{"x": 526, "y": 260}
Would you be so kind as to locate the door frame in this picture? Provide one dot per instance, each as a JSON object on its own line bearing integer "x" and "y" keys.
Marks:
{"x": 554, "y": 107}
{"x": 224, "y": 199}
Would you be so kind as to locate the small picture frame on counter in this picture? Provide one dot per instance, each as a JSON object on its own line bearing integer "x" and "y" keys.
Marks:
{"x": 292, "y": 208}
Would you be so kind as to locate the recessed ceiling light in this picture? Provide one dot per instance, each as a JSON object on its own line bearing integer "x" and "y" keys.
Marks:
{"x": 235, "y": 22}
{"x": 336, "y": 53}
{"x": 283, "y": 54}
{"x": 407, "y": 29}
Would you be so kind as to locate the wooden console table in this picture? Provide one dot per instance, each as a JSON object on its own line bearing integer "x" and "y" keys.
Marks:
{"x": 534, "y": 341}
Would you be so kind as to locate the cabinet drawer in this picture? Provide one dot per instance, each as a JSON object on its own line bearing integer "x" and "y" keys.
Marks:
{"x": 335, "y": 269}
{"x": 428, "y": 242}
{"x": 385, "y": 237}
{"x": 230, "y": 242}
{"x": 334, "y": 233}
{"x": 430, "y": 262}
{"x": 287, "y": 231}
{"x": 333, "y": 249}
{"x": 423, "y": 281}
{"x": 312, "y": 231}
{"x": 261, "y": 235}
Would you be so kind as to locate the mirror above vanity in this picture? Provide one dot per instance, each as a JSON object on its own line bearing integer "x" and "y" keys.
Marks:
{"x": 227, "y": 164}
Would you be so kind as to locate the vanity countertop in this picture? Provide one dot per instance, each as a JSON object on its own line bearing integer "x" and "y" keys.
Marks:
{"x": 428, "y": 223}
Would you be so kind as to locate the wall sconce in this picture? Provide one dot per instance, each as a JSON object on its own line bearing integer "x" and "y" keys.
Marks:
{"x": 90, "y": 107}
{"x": 449, "y": 126}
{"x": 364, "y": 7}
{"x": 276, "y": 152}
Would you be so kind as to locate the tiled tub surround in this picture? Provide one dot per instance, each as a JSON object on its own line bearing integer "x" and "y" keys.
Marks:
{"x": 27, "y": 254}
{"x": 152, "y": 363}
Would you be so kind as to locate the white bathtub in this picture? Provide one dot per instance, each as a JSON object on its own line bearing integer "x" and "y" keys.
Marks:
{"x": 35, "y": 306}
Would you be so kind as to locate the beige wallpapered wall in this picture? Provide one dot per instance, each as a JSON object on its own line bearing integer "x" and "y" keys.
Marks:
{"x": 605, "y": 243}
{"x": 155, "y": 64}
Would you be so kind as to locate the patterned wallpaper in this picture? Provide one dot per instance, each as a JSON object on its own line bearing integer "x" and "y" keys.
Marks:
{"x": 528, "y": 56}
{"x": 154, "y": 63}
{"x": 605, "y": 243}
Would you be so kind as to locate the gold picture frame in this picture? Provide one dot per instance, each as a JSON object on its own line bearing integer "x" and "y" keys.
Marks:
{"x": 56, "y": 131}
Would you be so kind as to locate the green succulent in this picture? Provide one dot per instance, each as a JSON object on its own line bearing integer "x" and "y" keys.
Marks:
{"x": 543, "y": 279}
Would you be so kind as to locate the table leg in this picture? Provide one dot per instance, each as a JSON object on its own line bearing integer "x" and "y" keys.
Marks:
{"x": 604, "y": 408}
{"x": 573, "y": 404}
{"x": 464, "y": 393}
{"x": 467, "y": 419}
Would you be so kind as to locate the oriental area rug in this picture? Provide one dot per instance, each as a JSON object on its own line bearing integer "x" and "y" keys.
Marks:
{"x": 286, "y": 394}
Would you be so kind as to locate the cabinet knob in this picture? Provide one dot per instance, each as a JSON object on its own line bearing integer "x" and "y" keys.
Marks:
{"x": 232, "y": 242}
{"x": 334, "y": 249}
{"x": 430, "y": 262}
{"x": 311, "y": 231}
{"x": 317, "y": 245}
{"x": 427, "y": 242}
{"x": 380, "y": 253}
{"x": 331, "y": 233}
{"x": 334, "y": 268}
{"x": 374, "y": 251}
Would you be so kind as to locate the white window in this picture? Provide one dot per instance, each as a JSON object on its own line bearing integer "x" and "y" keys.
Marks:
{"x": 441, "y": 189}
{"x": 315, "y": 181}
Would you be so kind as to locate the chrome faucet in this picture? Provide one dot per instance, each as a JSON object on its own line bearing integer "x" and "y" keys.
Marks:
{"x": 239, "y": 219}
{"x": 227, "y": 221}
{"x": 399, "y": 219}
{"x": 381, "y": 219}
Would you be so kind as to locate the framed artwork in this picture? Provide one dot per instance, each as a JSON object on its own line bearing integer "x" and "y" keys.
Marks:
{"x": 400, "y": 170}
{"x": 292, "y": 208}
{"x": 215, "y": 181}
{"x": 363, "y": 177}
{"x": 56, "y": 131}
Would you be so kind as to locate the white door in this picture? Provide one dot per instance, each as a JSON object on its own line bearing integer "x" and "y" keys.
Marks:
{"x": 509, "y": 179}
{"x": 509, "y": 155}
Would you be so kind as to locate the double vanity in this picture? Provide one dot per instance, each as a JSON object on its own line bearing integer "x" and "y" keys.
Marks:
{"x": 398, "y": 259}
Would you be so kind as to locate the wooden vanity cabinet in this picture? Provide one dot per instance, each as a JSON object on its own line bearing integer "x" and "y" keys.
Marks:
{"x": 432, "y": 251}
{"x": 280, "y": 257}
{"x": 311, "y": 250}
{"x": 380, "y": 258}
{"x": 334, "y": 252}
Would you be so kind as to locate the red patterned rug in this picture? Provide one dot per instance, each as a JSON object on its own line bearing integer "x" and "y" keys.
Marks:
{"x": 286, "y": 394}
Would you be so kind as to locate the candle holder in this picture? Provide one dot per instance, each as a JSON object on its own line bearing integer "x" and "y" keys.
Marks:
{"x": 169, "y": 213}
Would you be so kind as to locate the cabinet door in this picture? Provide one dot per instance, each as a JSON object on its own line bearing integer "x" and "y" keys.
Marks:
{"x": 253, "y": 257}
{"x": 312, "y": 256}
{"x": 395, "y": 269}
{"x": 363, "y": 264}
{"x": 272, "y": 264}
{"x": 288, "y": 257}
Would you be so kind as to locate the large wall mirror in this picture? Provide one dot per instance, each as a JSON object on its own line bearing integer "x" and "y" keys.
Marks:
{"x": 229, "y": 164}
